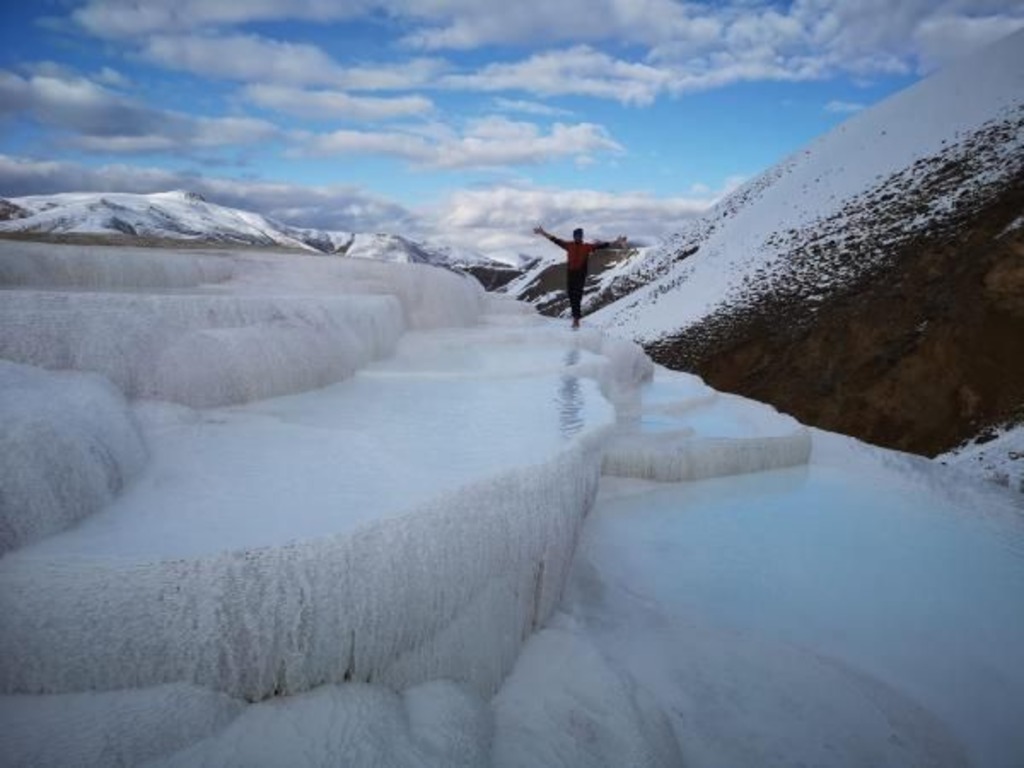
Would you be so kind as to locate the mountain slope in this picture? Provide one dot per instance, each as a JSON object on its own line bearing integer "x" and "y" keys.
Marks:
{"x": 177, "y": 215}
{"x": 185, "y": 217}
{"x": 869, "y": 284}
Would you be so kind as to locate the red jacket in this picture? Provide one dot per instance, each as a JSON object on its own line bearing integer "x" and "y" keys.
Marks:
{"x": 577, "y": 253}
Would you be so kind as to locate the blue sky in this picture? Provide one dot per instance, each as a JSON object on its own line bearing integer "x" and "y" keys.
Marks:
{"x": 459, "y": 120}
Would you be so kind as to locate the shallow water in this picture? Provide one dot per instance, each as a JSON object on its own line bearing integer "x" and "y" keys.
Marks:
{"x": 437, "y": 417}
{"x": 870, "y": 571}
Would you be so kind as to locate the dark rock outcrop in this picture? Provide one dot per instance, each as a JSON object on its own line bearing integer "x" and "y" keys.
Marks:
{"x": 9, "y": 211}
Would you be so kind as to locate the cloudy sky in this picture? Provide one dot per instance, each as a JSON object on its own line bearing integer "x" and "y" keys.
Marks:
{"x": 465, "y": 120}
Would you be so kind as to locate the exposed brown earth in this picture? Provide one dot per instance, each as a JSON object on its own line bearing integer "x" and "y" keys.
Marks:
{"x": 491, "y": 278}
{"x": 9, "y": 210}
{"x": 918, "y": 354}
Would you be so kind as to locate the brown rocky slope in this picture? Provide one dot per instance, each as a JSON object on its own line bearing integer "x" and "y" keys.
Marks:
{"x": 897, "y": 319}
{"x": 919, "y": 354}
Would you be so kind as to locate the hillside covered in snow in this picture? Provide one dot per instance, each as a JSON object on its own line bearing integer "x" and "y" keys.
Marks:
{"x": 870, "y": 283}
{"x": 180, "y": 217}
{"x": 839, "y": 208}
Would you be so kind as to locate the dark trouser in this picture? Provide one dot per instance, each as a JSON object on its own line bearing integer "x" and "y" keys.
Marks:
{"x": 575, "y": 278}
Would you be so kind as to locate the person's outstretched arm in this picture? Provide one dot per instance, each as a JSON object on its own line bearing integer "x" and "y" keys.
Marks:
{"x": 619, "y": 242}
{"x": 539, "y": 230}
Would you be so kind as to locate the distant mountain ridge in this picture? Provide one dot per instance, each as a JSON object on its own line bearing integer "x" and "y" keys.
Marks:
{"x": 187, "y": 217}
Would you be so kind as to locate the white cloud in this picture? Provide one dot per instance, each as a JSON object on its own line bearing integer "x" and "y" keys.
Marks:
{"x": 105, "y": 76}
{"x": 827, "y": 36}
{"x": 248, "y": 58}
{"x": 404, "y": 145}
{"x": 92, "y": 117}
{"x": 469, "y": 24}
{"x": 126, "y": 145}
{"x": 20, "y": 176}
{"x": 816, "y": 39}
{"x": 725, "y": 69}
{"x": 335, "y": 104}
{"x": 715, "y": 46}
{"x": 185, "y": 134}
{"x": 15, "y": 93}
{"x": 76, "y": 104}
{"x": 490, "y": 142}
{"x": 868, "y": 36}
{"x": 579, "y": 70}
{"x": 110, "y": 76}
{"x": 501, "y": 218}
{"x": 231, "y": 131}
{"x": 844, "y": 107}
{"x": 740, "y": 43}
{"x": 529, "y": 108}
{"x": 261, "y": 60}
{"x": 672, "y": 47}
{"x": 132, "y": 18}
{"x": 462, "y": 24}
{"x": 524, "y": 207}
{"x": 943, "y": 39}
{"x": 396, "y": 76}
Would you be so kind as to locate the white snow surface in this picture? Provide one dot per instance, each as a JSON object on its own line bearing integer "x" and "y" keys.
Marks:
{"x": 70, "y": 444}
{"x": 281, "y": 326}
{"x": 384, "y": 247}
{"x": 297, "y": 488}
{"x": 741, "y": 241}
{"x": 461, "y": 256}
{"x": 998, "y": 457}
{"x": 484, "y": 539}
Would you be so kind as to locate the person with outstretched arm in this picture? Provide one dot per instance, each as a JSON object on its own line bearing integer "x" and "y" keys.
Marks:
{"x": 577, "y": 255}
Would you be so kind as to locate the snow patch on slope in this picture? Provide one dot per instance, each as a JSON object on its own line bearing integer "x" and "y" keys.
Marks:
{"x": 958, "y": 133}
{"x": 997, "y": 455}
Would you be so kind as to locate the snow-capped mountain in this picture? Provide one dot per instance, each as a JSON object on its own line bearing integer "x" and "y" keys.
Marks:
{"x": 394, "y": 248}
{"x": 871, "y": 282}
{"x": 186, "y": 216}
{"x": 177, "y": 215}
{"x": 465, "y": 257}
